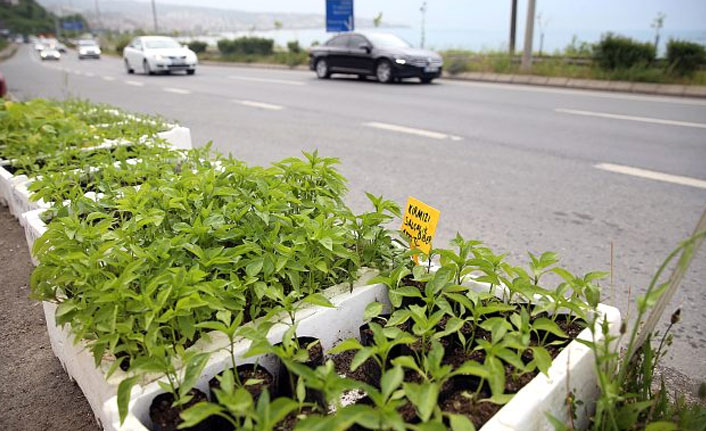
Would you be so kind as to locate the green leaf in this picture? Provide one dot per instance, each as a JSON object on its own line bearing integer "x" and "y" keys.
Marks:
{"x": 661, "y": 426}
{"x": 372, "y": 310}
{"x": 124, "y": 390}
{"x": 424, "y": 397}
{"x": 628, "y": 414}
{"x": 197, "y": 413}
{"x": 360, "y": 357}
{"x": 318, "y": 299}
{"x": 254, "y": 267}
{"x": 390, "y": 381}
{"x": 327, "y": 242}
{"x": 542, "y": 358}
{"x": 548, "y": 325}
{"x": 460, "y": 423}
{"x": 194, "y": 367}
{"x": 345, "y": 345}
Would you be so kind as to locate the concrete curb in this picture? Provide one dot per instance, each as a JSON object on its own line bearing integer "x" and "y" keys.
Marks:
{"x": 585, "y": 84}
{"x": 253, "y": 65}
{"x": 8, "y": 52}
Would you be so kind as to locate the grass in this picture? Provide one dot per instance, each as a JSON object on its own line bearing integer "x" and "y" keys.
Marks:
{"x": 3, "y": 44}
{"x": 291, "y": 59}
{"x": 495, "y": 62}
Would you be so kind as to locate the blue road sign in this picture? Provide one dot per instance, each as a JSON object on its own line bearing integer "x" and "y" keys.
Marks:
{"x": 339, "y": 15}
{"x": 72, "y": 25}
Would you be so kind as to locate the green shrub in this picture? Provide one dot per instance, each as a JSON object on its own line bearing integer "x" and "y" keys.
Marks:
{"x": 121, "y": 43}
{"x": 294, "y": 47}
{"x": 457, "y": 64}
{"x": 247, "y": 45}
{"x": 685, "y": 57}
{"x": 197, "y": 46}
{"x": 620, "y": 52}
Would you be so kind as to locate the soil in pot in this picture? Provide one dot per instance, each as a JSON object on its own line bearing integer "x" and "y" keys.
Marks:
{"x": 287, "y": 380}
{"x": 165, "y": 417}
{"x": 368, "y": 372}
{"x": 291, "y": 420}
{"x": 460, "y": 402}
{"x": 250, "y": 372}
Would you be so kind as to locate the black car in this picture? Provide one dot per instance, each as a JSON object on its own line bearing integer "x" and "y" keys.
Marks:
{"x": 382, "y": 55}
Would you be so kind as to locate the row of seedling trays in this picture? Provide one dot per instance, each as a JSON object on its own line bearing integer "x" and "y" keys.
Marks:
{"x": 572, "y": 370}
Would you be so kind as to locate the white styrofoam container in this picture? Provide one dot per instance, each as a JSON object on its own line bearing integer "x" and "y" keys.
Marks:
{"x": 526, "y": 411}
{"x": 7, "y": 182}
{"x": 101, "y": 391}
{"x": 34, "y": 227}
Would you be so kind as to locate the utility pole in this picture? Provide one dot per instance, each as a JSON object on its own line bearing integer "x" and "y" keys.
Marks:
{"x": 98, "y": 15}
{"x": 542, "y": 24}
{"x": 154, "y": 17}
{"x": 513, "y": 26}
{"x": 529, "y": 34}
{"x": 423, "y": 10}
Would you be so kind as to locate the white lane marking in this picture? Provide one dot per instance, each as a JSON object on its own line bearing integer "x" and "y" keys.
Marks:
{"x": 632, "y": 118}
{"x": 652, "y": 175}
{"x": 267, "y": 80}
{"x": 579, "y": 92}
{"x": 412, "y": 131}
{"x": 109, "y": 78}
{"x": 260, "y": 105}
{"x": 89, "y": 74}
{"x": 176, "y": 90}
{"x": 135, "y": 83}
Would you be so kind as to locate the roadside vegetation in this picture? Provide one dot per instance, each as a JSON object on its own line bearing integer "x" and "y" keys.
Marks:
{"x": 612, "y": 58}
{"x": 172, "y": 245}
{"x": 29, "y": 17}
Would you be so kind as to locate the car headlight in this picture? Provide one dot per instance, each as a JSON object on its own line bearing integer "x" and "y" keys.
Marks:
{"x": 158, "y": 57}
{"x": 401, "y": 59}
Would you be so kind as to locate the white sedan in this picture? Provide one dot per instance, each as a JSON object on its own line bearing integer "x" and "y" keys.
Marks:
{"x": 156, "y": 54}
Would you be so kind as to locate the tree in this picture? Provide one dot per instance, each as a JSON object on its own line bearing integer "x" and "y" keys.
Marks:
{"x": 377, "y": 20}
{"x": 657, "y": 24}
{"x": 278, "y": 24}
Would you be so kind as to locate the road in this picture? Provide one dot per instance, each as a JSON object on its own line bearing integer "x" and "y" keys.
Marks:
{"x": 521, "y": 168}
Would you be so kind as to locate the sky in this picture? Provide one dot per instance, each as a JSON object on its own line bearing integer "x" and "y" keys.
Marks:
{"x": 563, "y": 15}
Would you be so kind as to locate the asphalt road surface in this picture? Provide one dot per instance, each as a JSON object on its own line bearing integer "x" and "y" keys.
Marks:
{"x": 521, "y": 168}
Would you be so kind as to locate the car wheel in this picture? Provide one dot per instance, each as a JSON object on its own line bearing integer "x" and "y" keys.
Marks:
{"x": 383, "y": 71}
{"x": 128, "y": 69}
{"x": 322, "y": 71}
{"x": 426, "y": 80}
{"x": 190, "y": 71}
{"x": 146, "y": 67}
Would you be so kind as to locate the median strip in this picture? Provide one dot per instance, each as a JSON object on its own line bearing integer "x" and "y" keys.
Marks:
{"x": 412, "y": 131}
{"x": 260, "y": 105}
{"x": 652, "y": 175}
{"x": 632, "y": 118}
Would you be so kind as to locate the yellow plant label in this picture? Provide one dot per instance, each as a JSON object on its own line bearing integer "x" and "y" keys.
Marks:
{"x": 419, "y": 223}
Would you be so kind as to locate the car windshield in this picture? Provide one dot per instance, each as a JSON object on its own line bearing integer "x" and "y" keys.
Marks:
{"x": 87, "y": 43}
{"x": 381, "y": 40}
{"x": 161, "y": 43}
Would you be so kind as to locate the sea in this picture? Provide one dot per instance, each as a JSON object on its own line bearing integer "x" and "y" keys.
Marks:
{"x": 554, "y": 40}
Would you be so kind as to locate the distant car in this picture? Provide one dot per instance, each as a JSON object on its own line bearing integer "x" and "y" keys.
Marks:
{"x": 3, "y": 86}
{"x": 50, "y": 54}
{"x": 88, "y": 49}
{"x": 38, "y": 46}
{"x": 157, "y": 54}
{"x": 382, "y": 55}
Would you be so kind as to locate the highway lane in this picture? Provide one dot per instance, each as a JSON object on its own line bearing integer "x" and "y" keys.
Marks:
{"x": 515, "y": 166}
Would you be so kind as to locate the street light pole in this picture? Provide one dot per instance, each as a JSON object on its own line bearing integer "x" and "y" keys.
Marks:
{"x": 529, "y": 34}
{"x": 423, "y": 10}
{"x": 154, "y": 17}
{"x": 513, "y": 26}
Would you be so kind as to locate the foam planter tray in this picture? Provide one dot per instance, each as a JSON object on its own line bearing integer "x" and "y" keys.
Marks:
{"x": 100, "y": 392}
{"x": 573, "y": 368}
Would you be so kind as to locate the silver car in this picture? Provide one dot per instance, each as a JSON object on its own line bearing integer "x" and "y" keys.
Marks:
{"x": 158, "y": 54}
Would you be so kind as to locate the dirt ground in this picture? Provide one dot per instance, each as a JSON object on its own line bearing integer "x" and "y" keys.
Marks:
{"x": 36, "y": 393}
